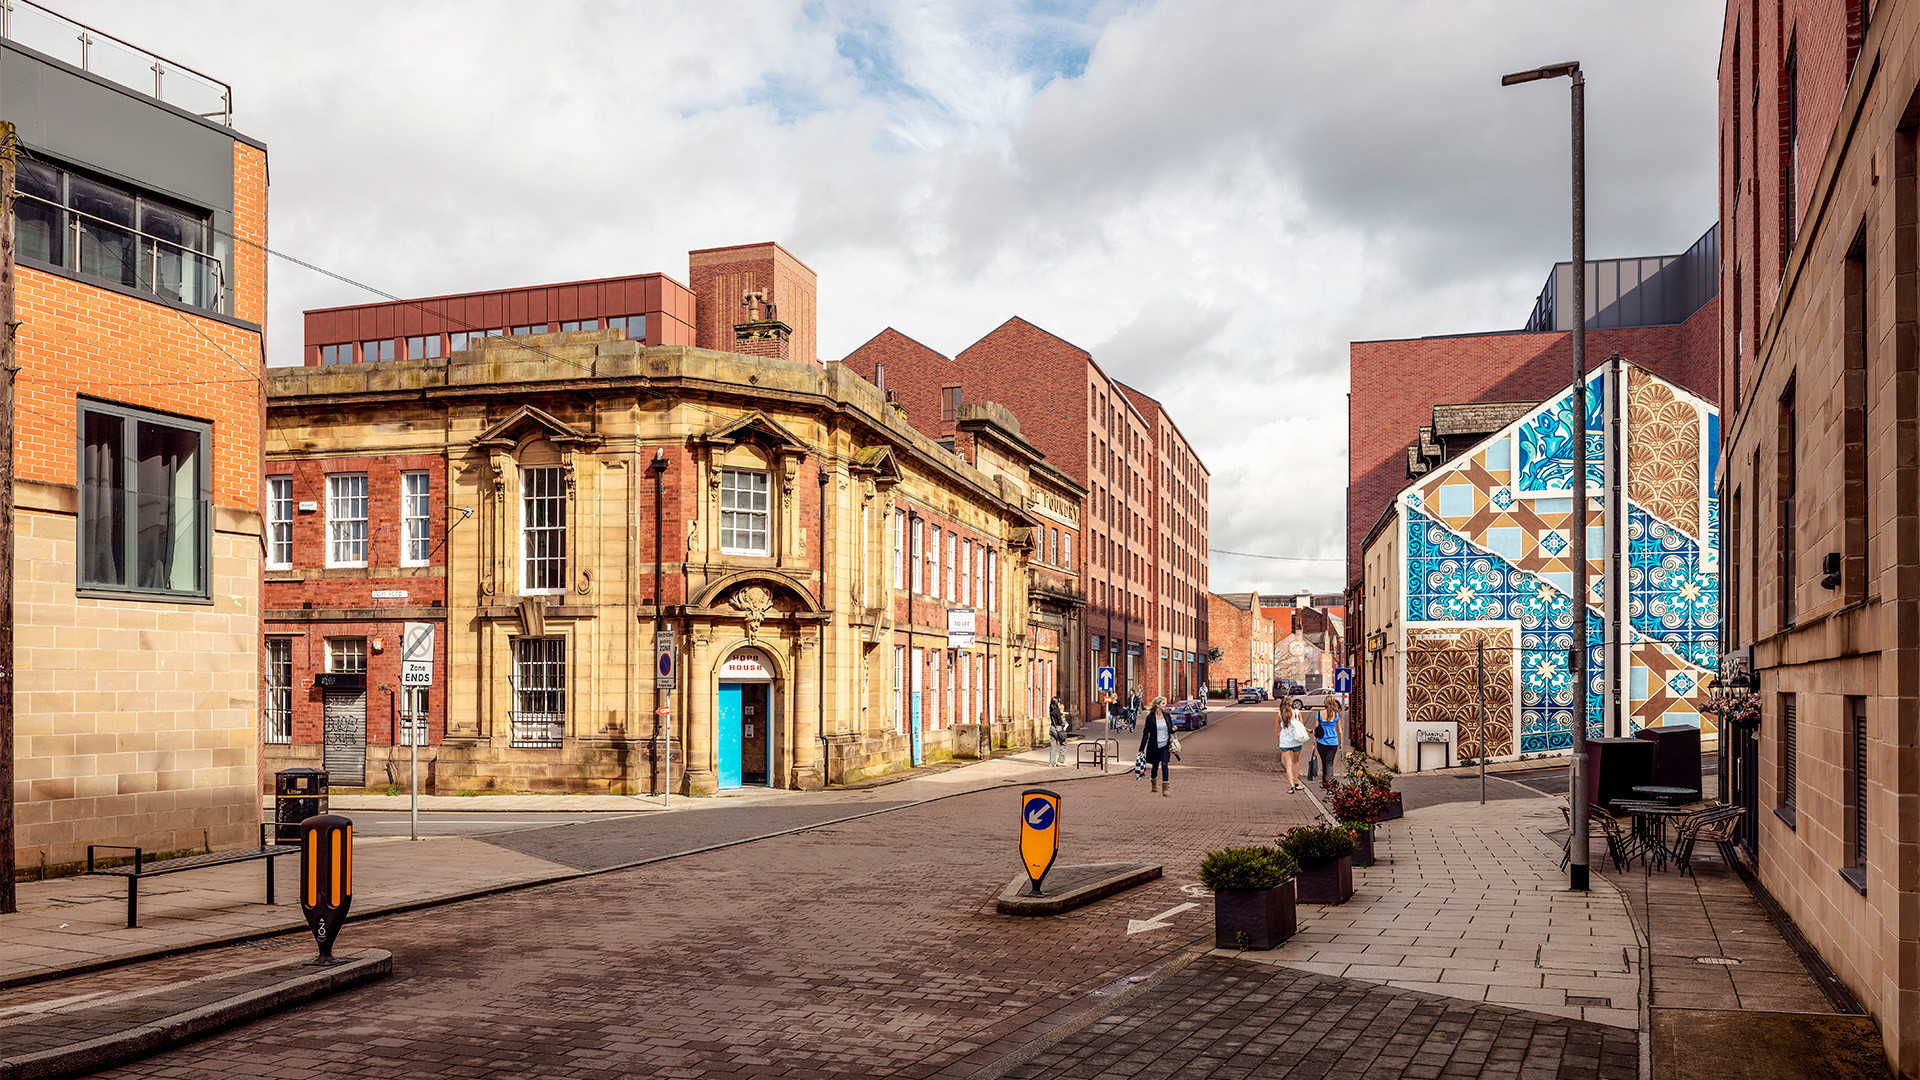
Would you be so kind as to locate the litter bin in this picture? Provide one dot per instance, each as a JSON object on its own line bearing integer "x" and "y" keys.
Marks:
{"x": 298, "y": 794}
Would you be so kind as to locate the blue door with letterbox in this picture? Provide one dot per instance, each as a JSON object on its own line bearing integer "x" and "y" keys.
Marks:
{"x": 729, "y": 735}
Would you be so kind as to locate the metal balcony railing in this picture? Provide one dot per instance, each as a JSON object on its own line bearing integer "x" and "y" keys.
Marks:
{"x": 106, "y": 249}
{"x": 100, "y": 53}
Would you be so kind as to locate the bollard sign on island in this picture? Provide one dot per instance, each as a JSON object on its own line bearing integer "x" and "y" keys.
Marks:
{"x": 1039, "y": 833}
{"x": 326, "y": 878}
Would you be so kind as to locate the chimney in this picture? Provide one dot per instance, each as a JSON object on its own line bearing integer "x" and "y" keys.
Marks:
{"x": 722, "y": 277}
{"x": 762, "y": 333}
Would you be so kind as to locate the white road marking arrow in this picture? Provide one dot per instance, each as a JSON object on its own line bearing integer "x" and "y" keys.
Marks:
{"x": 1158, "y": 922}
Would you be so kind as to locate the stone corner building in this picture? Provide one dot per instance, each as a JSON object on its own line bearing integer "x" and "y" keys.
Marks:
{"x": 140, "y": 290}
{"x": 842, "y": 595}
{"x": 1819, "y": 111}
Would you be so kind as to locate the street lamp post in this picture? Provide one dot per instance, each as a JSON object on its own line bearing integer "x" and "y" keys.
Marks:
{"x": 1577, "y": 665}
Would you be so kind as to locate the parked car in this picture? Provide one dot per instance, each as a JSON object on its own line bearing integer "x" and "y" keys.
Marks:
{"x": 1315, "y": 699}
{"x": 1189, "y": 715}
{"x": 1250, "y": 695}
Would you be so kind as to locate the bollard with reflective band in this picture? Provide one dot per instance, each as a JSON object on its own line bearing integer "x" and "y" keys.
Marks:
{"x": 1039, "y": 833}
{"x": 326, "y": 878}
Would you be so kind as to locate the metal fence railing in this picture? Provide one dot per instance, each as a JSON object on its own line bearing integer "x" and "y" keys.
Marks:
{"x": 539, "y": 731}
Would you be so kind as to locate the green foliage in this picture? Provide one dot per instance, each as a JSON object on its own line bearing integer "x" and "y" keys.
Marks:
{"x": 1246, "y": 869}
{"x": 1311, "y": 845}
{"x": 1359, "y": 801}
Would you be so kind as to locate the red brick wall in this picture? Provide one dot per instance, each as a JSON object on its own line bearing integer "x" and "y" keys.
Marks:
{"x": 720, "y": 276}
{"x": 1395, "y": 385}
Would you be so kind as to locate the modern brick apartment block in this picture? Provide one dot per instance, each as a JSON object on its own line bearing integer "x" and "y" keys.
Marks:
{"x": 652, "y": 309}
{"x": 140, "y": 292}
{"x": 1243, "y": 632}
{"x": 1819, "y": 131}
{"x": 1140, "y": 553}
{"x": 842, "y": 596}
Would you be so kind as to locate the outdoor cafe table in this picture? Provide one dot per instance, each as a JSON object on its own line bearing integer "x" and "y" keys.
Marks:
{"x": 1671, "y": 795}
{"x": 1650, "y": 823}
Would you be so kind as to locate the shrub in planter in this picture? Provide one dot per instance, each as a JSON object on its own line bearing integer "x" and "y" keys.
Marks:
{"x": 1325, "y": 855}
{"x": 1363, "y": 840}
{"x": 1359, "y": 802}
{"x": 1253, "y": 896}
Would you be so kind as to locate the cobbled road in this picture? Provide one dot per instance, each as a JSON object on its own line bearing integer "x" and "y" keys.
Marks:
{"x": 871, "y": 947}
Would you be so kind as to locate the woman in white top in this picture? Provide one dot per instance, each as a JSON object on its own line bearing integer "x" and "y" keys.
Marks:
{"x": 1290, "y": 735}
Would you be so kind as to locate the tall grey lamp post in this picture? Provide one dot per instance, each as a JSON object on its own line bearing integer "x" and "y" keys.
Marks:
{"x": 1577, "y": 665}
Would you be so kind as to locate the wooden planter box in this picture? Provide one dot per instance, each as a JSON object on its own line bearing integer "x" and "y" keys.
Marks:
{"x": 1267, "y": 918}
{"x": 1327, "y": 882}
{"x": 1363, "y": 856}
{"x": 1394, "y": 810}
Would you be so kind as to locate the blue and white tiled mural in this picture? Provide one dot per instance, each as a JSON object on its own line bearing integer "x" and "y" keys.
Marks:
{"x": 1487, "y": 547}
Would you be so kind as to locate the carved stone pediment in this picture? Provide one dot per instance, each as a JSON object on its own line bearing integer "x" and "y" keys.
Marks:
{"x": 756, "y": 427}
{"x": 525, "y": 421}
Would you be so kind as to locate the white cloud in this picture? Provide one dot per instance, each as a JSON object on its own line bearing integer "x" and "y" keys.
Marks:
{"x": 1214, "y": 196}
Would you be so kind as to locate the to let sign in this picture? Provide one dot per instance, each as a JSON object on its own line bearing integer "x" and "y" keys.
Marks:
{"x": 960, "y": 628}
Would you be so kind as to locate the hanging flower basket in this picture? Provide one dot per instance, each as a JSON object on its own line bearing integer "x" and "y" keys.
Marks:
{"x": 1739, "y": 712}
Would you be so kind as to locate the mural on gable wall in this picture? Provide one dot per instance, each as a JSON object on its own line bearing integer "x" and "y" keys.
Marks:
{"x": 1487, "y": 546}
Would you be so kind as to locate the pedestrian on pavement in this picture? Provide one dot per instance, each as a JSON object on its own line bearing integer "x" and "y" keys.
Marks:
{"x": 1156, "y": 742}
{"x": 1290, "y": 735}
{"x": 1326, "y": 739}
{"x": 1133, "y": 707}
{"x": 1057, "y": 728}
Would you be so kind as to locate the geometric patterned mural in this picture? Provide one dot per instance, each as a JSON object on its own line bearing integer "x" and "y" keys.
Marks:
{"x": 1487, "y": 545}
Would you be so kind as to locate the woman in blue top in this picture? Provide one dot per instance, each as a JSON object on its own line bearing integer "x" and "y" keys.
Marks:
{"x": 1156, "y": 742}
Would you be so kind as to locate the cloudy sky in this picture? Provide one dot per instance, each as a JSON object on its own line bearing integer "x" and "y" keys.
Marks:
{"x": 1212, "y": 196}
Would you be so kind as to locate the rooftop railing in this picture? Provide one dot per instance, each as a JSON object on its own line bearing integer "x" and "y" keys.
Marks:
{"x": 100, "y": 53}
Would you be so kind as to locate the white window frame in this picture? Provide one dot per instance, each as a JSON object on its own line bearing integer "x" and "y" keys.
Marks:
{"x": 933, "y": 564}
{"x": 346, "y": 519}
{"x": 278, "y": 717}
{"x": 280, "y": 522}
{"x": 899, "y": 690}
{"x": 951, "y": 594}
{"x": 916, "y": 556}
{"x": 963, "y": 661}
{"x": 993, "y": 579}
{"x": 933, "y": 690}
{"x": 347, "y": 655}
{"x": 1066, "y": 559}
{"x": 416, "y": 515}
{"x": 899, "y": 549}
{"x": 966, "y": 566}
{"x": 543, "y": 536}
{"x": 740, "y": 519}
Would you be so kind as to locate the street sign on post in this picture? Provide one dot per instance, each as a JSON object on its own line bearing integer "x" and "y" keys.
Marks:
{"x": 1039, "y": 833}
{"x": 666, "y": 672}
{"x": 416, "y": 655}
{"x": 1343, "y": 680}
{"x": 1106, "y": 680}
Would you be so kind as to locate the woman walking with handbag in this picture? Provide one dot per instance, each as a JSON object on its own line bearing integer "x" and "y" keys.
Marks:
{"x": 1290, "y": 735}
{"x": 1156, "y": 744}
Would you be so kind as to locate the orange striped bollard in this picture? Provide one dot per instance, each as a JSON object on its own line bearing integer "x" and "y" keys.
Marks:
{"x": 326, "y": 878}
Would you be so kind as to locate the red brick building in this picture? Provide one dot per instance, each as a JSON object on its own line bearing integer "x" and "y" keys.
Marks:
{"x": 1141, "y": 550}
{"x": 1244, "y": 633}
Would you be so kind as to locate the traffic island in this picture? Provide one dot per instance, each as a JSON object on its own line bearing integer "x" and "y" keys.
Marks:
{"x": 1067, "y": 887}
{"x": 79, "y": 1038}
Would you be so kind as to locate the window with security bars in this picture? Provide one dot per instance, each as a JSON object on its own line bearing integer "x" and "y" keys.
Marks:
{"x": 279, "y": 675}
{"x": 1789, "y": 753}
{"x": 744, "y": 513}
{"x": 543, "y": 532}
{"x": 540, "y": 692}
{"x": 347, "y": 520}
{"x": 413, "y": 716}
{"x": 279, "y": 522}
{"x": 415, "y": 499}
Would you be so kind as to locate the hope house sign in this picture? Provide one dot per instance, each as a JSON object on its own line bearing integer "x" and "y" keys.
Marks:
{"x": 746, "y": 665}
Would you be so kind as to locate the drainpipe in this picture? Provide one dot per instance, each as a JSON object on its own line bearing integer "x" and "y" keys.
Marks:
{"x": 820, "y": 653}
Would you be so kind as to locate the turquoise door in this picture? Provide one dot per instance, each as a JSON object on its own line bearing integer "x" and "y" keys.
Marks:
{"x": 915, "y": 727}
{"x": 729, "y": 735}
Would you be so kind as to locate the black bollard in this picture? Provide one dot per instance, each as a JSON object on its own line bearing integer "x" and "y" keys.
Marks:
{"x": 326, "y": 878}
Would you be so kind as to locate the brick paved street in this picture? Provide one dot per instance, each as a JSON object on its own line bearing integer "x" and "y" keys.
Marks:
{"x": 870, "y": 948}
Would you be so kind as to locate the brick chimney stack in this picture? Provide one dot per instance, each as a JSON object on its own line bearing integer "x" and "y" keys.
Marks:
{"x": 784, "y": 318}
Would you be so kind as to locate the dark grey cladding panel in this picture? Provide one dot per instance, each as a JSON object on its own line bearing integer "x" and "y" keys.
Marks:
{"x": 63, "y": 113}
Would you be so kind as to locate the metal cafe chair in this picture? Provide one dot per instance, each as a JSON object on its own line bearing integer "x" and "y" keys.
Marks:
{"x": 1716, "y": 825}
